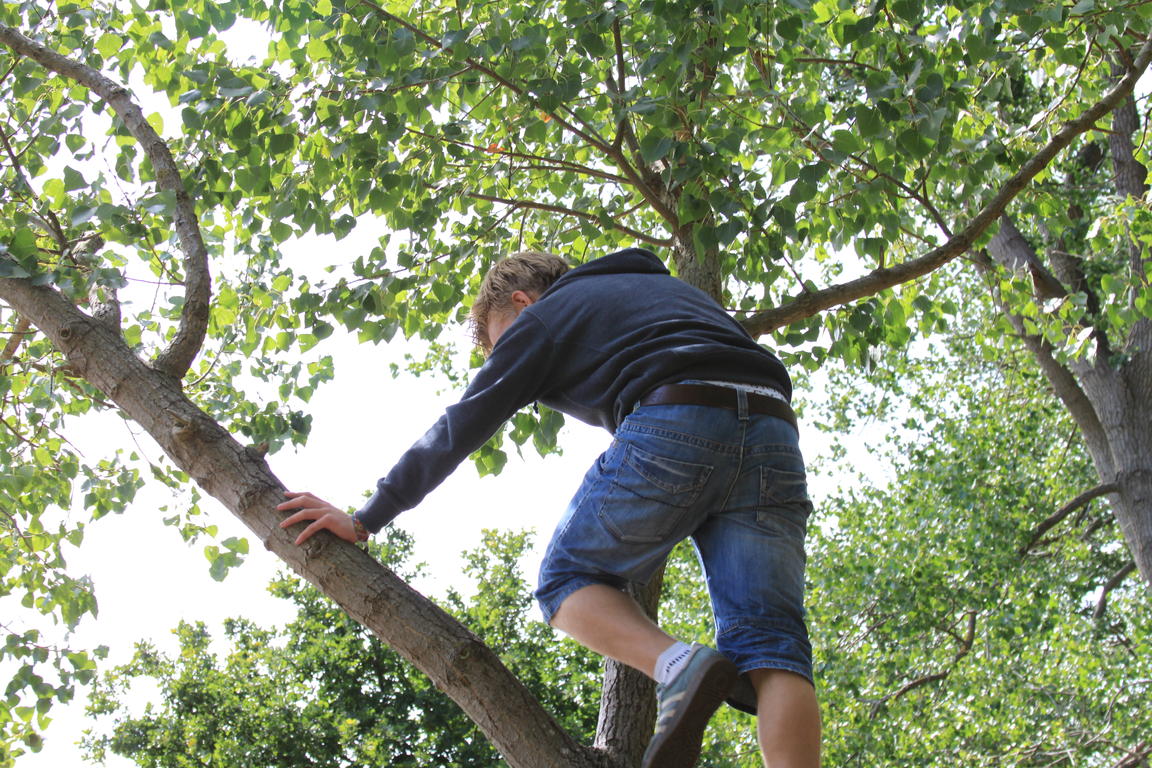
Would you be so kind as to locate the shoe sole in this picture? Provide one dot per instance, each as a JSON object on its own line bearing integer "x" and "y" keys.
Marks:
{"x": 681, "y": 748}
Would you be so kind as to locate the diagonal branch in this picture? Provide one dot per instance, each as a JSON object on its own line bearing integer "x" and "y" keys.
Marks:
{"x": 22, "y": 329}
{"x": 965, "y": 647}
{"x": 807, "y": 304}
{"x": 1063, "y": 382}
{"x": 584, "y": 132}
{"x": 178, "y": 356}
{"x": 561, "y": 164}
{"x": 455, "y": 660}
{"x": 1067, "y": 509}
{"x": 1116, "y": 580}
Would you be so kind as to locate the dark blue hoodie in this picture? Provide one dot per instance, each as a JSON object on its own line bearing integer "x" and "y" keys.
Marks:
{"x": 593, "y": 344}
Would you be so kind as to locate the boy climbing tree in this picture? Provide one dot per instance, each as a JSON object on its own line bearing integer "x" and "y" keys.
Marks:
{"x": 705, "y": 447}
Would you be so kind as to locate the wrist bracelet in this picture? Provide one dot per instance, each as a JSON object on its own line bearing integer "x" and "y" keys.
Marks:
{"x": 361, "y": 532}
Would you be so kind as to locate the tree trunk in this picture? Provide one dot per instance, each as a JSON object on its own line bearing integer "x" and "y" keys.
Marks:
{"x": 455, "y": 659}
{"x": 627, "y": 700}
{"x": 1123, "y": 403}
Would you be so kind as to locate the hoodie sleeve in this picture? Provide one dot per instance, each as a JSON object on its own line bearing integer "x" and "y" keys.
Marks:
{"x": 510, "y": 379}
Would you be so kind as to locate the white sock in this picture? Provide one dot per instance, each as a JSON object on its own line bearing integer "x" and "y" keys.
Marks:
{"x": 671, "y": 660}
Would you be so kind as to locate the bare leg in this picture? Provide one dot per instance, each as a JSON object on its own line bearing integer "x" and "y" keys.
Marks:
{"x": 611, "y": 623}
{"x": 789, "y": 719}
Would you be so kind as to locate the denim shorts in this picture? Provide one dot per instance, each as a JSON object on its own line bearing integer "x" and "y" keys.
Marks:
{"x": 733, "y": 483}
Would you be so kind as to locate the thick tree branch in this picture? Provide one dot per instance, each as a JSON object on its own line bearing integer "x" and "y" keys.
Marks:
{"x": 178, "y": 356}
{"x": 1129, "y": 173}
{"x": 805, "y": 305}
{"x": 455, "y": 659}
{"x": 1011, "y": 250}
{"x": 1076, "y": 503}
{"x": 1063, "y": 382}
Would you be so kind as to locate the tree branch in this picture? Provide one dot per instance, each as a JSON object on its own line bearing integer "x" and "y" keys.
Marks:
{"x": 643, "y": 237}
{"x": 437, "y": 644}
{"x": 1116, "y": 580}
{"x": 561, "y": 164}
{"x": 805, "y": 305}
{"x": 1076, "y": 503}
{"x": 585, "y": 133}
{"x": 1063, "y": 383}
{"x": 1136, "y": 757}
{"x": 624, "y": 132}
{"x": 50, "y": 222}
{"x": 1011, "y": 250}
{"x": 18, "y": 333}
{"x": 178, "y": 356}
{"x": 964, "y": 649}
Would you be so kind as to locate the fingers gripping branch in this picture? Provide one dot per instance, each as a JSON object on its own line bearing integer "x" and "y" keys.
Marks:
{"x": 178, "y": 356}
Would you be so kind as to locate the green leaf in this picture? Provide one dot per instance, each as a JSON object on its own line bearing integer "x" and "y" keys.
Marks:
{"x": 846, "y": 142}
{"x": 73, "y": 180}
{"x": 318, "y": 50}
{"x": 109, "y": 44}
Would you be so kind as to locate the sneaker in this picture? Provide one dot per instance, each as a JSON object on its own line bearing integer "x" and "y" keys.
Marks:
{"x": 686, "y": 706}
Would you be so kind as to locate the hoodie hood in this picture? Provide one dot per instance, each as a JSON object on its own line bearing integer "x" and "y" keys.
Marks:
{"x": 630, "y": 261}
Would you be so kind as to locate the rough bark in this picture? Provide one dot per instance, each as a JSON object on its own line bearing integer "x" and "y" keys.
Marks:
{"x": 1109, "y": 392}
{"x": 455, "y": 659}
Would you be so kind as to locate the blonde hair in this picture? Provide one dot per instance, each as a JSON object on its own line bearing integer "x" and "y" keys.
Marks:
{"x": 530, "y": 271}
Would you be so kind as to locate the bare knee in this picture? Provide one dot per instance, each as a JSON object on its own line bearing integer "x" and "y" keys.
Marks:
{"x": 788, "y": 720}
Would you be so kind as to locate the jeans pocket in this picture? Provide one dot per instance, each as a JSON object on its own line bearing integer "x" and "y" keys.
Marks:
{"x": 651, "y": 494}
{"x": 784, "y": 503}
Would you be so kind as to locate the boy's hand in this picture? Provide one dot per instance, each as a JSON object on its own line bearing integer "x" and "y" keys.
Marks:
{"x": 323, "y": 515}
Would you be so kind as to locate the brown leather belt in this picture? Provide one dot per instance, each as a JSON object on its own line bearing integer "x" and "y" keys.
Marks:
{"x": 718, "y": 397}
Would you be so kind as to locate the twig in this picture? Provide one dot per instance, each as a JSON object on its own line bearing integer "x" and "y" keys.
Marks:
{"x": 644, "y": 237}
{"x": 1111, "y": 584}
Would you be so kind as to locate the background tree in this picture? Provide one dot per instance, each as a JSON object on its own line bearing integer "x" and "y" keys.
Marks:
{"x": 324, "y": 692}
{"x": 789, "y": 159}
{"x": 970, "y": 607}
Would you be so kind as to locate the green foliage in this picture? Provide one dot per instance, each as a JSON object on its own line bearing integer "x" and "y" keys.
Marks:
{"x": 784, "y": 143}
{"x": 40, "y": 472}
{"x": 363, "y": 165}
{"x": 947, "y": 631}
{"x": 322, "y": 691}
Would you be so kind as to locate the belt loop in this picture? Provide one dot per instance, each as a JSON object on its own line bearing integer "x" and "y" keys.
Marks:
{"x": 742, "y": 403}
